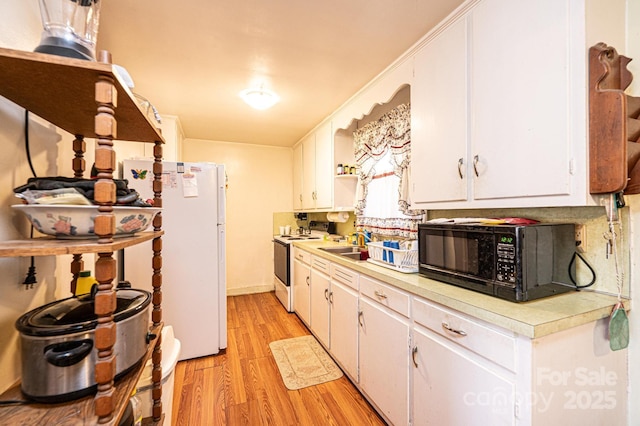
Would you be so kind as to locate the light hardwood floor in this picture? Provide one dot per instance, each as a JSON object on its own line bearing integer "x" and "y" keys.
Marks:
{"x": 242, "y": 385}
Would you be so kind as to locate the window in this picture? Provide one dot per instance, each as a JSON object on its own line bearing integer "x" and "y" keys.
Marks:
{"x": 383, "y": 153}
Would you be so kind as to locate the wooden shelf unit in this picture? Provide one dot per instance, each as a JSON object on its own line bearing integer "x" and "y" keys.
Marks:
{"x": 89, "y": 99}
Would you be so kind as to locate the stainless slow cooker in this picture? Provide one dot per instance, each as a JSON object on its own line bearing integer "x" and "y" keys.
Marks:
{"x": 58, "y": 354}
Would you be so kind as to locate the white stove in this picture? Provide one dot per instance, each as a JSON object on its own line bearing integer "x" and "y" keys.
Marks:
{"x": 288, "y": 239}
{"x": 282, "y": 264}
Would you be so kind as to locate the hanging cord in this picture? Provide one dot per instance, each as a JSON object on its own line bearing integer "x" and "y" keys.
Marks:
{"x": 26, "y": 141}
{"x": 614, "y": 243}
{"x": 30, "y": 279}
{"x": 571, "y": 277}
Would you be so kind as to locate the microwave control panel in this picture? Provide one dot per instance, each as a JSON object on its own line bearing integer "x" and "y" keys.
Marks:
{"x": 506, "y": 268}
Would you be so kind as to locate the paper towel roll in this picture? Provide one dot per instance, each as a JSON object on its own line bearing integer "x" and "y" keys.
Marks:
{"x": 338, "y": 216}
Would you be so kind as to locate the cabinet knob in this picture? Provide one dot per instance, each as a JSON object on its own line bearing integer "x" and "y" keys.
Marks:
{"x": 460, "y": 164}
{"x": 326, "y": 293}
{"x": 331, "y": 298}
{"x": 414, "y": 351}
{"x": 307, "y": 280}
{"x": 360, "y": 314}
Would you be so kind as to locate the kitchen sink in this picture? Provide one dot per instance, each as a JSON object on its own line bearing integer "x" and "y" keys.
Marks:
{"x": 352, "y": 253}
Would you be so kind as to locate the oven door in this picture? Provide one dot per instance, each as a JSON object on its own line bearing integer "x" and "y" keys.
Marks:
{"x": 281, "y": 261}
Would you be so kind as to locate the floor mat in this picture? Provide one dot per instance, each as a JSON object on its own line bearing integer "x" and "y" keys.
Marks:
{"x": 303, "y": 362}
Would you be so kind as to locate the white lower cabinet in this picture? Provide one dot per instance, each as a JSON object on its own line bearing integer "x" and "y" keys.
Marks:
{"x": 343, "y": 299}
{"x": 334, "y": 312}
{"x": 421, "y": 363}
{"x": 384, "y": 358}
{"x": 453, "y": 386}
{"x": 467, "y": 372}
{"x": 301, "y": 284}
{"x": 320, "y": 299}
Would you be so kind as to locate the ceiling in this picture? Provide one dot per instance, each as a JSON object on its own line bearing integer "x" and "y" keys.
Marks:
{"x": 191, "y": 59}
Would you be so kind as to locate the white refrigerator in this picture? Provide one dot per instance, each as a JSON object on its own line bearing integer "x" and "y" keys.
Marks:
{"x": 194, "y": 298}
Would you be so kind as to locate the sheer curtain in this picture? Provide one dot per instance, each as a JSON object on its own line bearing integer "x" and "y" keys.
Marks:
{"x": 383, "y": 154}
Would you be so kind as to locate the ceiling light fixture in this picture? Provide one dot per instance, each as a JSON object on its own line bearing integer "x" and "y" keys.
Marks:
{"x": 259, "y": 98}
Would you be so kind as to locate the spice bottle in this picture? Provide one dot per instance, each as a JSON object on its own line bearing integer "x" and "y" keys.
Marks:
{"x": 339, "y": 169}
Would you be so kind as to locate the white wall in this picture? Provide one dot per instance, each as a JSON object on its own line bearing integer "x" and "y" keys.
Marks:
{"x": 259, "y": 184}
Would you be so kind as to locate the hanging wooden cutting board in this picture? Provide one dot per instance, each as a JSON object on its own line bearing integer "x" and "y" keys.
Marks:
{"x": 608, "y": 153}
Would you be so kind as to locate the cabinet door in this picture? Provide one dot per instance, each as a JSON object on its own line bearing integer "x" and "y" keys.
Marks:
{"x": 454, "y": 387}
{"x": 297, "y": 177}
{"x": 439, "y": 162}
{"x": 324, "y": 167}
{"x": 384, "y": 360}
{"x": 309, "y": 172}
{"x": 320, "y": 306}
{"x": 301, "y": 283}
{"x": 343, "y": 304}
{"x": 520, "y": 97}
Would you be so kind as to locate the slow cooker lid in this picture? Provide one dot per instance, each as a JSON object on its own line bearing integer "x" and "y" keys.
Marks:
{"x": 77, "y": 313}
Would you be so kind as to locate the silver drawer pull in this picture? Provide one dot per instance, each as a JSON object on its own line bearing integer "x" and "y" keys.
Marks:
{"x": 414, "y": 351}
{"x": 360, "y": 314}
{"x": 380, "y": 294}
{"x": 453, "y": 330}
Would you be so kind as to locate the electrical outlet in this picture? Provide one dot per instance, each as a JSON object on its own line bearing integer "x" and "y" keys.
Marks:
{"x": 581, "y": 237}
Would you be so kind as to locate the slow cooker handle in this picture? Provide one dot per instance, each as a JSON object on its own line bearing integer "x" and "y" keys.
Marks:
{"x": 64, "y": 354}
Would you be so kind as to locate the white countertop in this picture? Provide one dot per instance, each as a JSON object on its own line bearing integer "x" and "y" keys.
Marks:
{"x": 532, "y": 319}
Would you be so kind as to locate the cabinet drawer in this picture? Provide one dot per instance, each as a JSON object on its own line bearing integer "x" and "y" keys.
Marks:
{"x": 386, "y": 295}
{"x": 344, "y": 276}
{"x": 320, "y": 264}
{"x": 302, "y": 256}
{"x": 490, "y": 343}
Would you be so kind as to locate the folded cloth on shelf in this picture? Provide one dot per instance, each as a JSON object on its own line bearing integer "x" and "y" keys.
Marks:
{"x": 124, "y": 195}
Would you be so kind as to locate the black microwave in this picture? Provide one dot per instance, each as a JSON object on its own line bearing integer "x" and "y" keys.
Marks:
{"x": 513, "y": 262}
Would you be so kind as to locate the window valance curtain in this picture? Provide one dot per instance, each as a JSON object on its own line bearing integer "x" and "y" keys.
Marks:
{"x": 382, "y": 149}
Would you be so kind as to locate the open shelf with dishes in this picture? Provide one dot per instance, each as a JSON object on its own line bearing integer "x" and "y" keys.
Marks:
{"x": 90, "y": 100}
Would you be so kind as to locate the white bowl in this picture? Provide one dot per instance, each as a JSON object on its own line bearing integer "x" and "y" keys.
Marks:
{"x": 69, "y": 221}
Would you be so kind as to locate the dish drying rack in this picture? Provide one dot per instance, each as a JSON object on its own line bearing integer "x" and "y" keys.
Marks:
{"x": 399, "y": 259}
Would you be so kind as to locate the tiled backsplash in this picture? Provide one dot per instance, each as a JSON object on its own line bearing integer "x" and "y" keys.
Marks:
{"x": 288, "y": 218}
{"x": 594, "y": 218}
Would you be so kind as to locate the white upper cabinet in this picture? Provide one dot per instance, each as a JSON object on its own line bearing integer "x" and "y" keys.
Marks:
{"x": 324, "y": 167}
{"x": 297, "y": 177}
{"x": 520, "y": 99}
{"x": 439, "y": 118}
{"x": 498, "y": 108}
{"x": 313, "y": 171}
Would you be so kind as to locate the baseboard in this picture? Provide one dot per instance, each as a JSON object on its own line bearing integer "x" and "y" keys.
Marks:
{"x": 249, "y": 290}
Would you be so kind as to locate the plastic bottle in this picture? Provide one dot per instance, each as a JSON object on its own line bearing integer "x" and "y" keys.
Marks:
{"x": 136, "y": 406}
{"x": 84, "y": 283}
